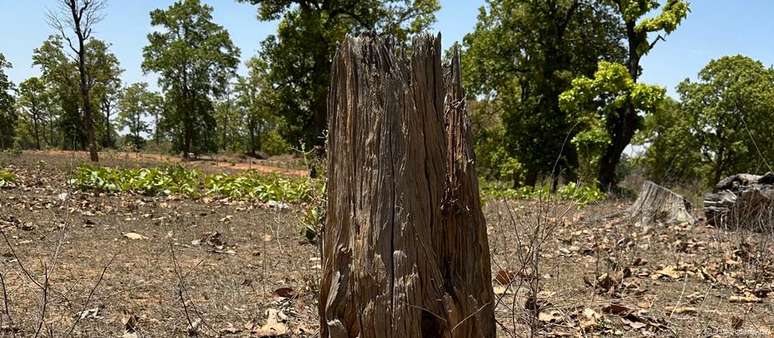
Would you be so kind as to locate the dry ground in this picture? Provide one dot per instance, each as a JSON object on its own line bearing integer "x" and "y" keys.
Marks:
{"x": 230, "y": 163}
{"x": 598, "y": 275}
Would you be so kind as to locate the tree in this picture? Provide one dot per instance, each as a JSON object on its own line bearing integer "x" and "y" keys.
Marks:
{"x": 35, "y": 101}
{"x": 228, "y": 120}
{"x": 8, "y": 115}
{"x": 194, "y": 58}
{"x": 133, "y": 107}
{"x": 254, "y": 101}
{"x": 405, "y": 251}
{"x": 301, "y": 52}
{"x": 611, "y": 105}
{"x": 596, "y": 104}
{"x": 731, "y": 110}
{"x": 61, "y": 77}
{"x": 521, "y": 57}
{"x": 672, "y": 154}
{"x": 155, "y": 106}
{"x": 75, "y": 20}
{"x": 105, "y": 71}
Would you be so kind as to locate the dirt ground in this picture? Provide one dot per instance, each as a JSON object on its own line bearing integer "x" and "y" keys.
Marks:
{"x": 156, "y": 267}
{"x": 221, "y": 163}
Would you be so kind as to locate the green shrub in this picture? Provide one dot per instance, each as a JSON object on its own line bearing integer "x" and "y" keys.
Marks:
{"x": 580, "y": 194}
{"x": 177, "y": 180}
{"x": 6, "y": 178}
{"x": 273, "y": 144}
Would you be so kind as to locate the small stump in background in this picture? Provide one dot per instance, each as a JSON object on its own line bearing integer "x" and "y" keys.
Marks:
{"x": 657, "y": 204}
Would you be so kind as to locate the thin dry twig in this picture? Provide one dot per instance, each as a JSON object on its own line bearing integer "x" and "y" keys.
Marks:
{"x": 470, "y": 316}
{"x": 91, "y": 294}
{"x": 44, "y": 301}
{"x": 182, "y": 291}
{"x": 19, "y": 262}
{"x": 7, "y": 306}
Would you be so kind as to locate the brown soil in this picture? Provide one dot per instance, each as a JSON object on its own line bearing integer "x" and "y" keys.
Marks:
{"x": 220, "y": 163}
{"x": 662, "y": 281}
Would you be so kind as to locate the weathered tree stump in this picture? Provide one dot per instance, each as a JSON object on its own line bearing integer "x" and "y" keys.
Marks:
{"x": 742, "y": 201}
{"x": 405, "y": 250}
{"x": 657, "y": 204}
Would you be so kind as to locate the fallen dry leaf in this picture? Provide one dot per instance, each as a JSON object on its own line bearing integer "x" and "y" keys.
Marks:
{"x": 273, "y": 327}
{"x": 669, "y": 271}
{"x": 193, "y": 327}
{"x": 747, "y": 298}
{"x": 134, "y": 236}
{"x": 683, "y": 310}
{"x": 505, "y": 277}
{"x": 589, "y": 319}
{"x": 550, "y": 317}
{"x": 617, "y": 309}
{"x": 500, "y": 290}
{"x": 634, "y": 324}
{"x": 130, "y": 323}
{"x": 229, "y": 329}
{"x": 284, "y": 293}
{"x": 695, "y": 297}
{"x": 90, "y": 314}
{"x": 737, "y": 322}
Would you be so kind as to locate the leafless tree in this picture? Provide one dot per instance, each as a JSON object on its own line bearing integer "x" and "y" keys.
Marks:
{"x": 75, "y": 21}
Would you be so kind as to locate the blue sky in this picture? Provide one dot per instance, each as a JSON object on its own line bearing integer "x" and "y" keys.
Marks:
{"x": 713, "y": 29}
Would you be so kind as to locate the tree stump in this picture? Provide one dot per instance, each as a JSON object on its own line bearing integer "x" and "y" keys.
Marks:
{"x": 405, "y": 250}
{"x": 657, "y": 204}
{"x": 742, "y": 201}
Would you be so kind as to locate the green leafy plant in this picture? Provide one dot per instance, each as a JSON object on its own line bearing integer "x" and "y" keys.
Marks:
{"x": 177, "y": 180}
{"x": 6, "y": 178}
{"x": 581, "y": 194}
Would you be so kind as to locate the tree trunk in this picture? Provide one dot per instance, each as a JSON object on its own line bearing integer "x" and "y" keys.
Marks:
{"x": 85, "y": 89}
{"x": 405, "y": 251}
{"x": 156, "y": 134}
{"x": 626, "y": 124}
{"x": 251, "y": 126}
{"x": 657, "y": 204}
{"x": 36, "y": 127}
{"x": 107, "y": 141}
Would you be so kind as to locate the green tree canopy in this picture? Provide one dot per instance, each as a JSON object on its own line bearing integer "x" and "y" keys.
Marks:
{"x": 61, "y": 78}
{"x": 521, "y": 57}
{"x": 8, "y": 115}
{"x": 300, "y": 54}
{"x": 35, "y": 102}
{"x": 255, "y": 99}
{"x": 672, "y": 153}
{"x": 74, "y": 21}
{"x": 194, "y": 58}
{"x": 133, "y": 108}
{"x": 611, "y": 105}
{"x": 104, "y": 72}
{"x": 731, "y": 107}
{"x": 596, "y": 103}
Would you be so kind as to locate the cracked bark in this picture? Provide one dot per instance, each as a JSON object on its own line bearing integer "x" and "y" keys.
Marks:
{"x": 405, "y": 251}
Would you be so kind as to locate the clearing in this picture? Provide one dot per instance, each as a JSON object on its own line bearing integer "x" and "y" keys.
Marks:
{"x": 231, "y": 268}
